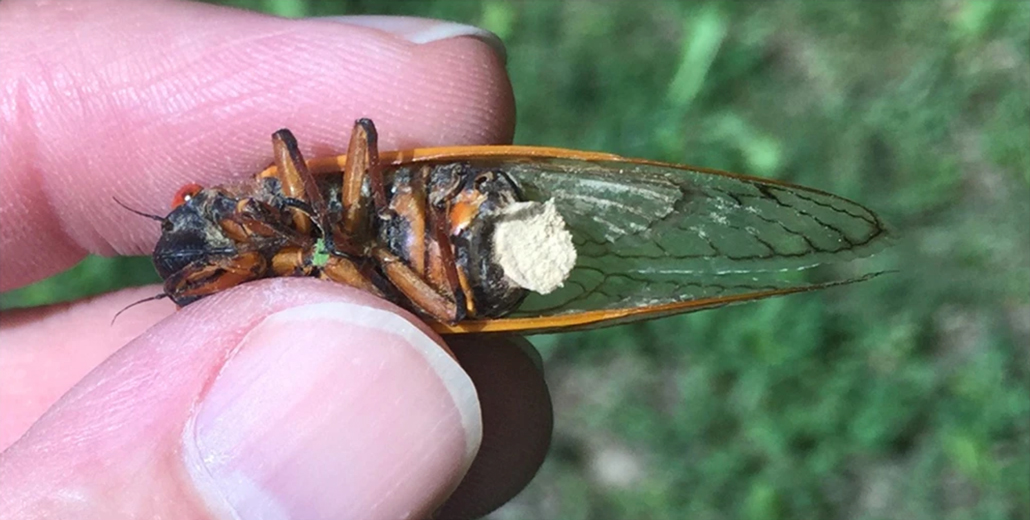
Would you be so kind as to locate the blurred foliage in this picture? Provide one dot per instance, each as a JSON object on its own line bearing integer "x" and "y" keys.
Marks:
{"x": 904, "y": 397}
{"x": 92, "y": 276}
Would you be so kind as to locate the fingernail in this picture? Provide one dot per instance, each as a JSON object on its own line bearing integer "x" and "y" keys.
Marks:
{"x": 333, "y": 410}
{"x": 425, "y": 30}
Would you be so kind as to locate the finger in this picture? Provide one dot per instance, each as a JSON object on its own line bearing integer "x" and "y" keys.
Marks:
{"x": 134, "y": 99}
{"x": 45, "y": 351}
{"x": 517, "y": 424}
{"x": 297, "y": 398}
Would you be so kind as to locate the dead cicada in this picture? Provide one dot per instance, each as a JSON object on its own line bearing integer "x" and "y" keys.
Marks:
{"x": 510, "y": 238}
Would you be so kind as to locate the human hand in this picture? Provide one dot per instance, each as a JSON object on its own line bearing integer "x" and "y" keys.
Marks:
{"x": 287, "y": 398}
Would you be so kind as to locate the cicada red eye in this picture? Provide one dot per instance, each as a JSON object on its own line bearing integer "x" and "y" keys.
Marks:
{"x": 184, "y": 194}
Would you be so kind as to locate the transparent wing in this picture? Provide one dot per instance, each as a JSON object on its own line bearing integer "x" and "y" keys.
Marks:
{"x": 651, "y": 234}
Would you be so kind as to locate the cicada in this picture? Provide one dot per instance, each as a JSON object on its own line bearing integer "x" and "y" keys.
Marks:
{"x": 424, "y": 228}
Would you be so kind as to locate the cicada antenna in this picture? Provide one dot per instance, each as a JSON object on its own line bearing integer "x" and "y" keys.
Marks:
{"x": 133, "y": 304}
{"x": 138, "y": 212}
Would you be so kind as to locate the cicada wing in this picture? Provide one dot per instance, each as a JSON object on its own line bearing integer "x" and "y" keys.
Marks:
{"x": 655, "y": 239}
{"x": 675, "y": 239}
{"x": 650, "y": 234}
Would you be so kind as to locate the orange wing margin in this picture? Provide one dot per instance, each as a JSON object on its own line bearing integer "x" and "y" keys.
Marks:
{"x": 609, "y": 317}
{"x": 334, "y": 164}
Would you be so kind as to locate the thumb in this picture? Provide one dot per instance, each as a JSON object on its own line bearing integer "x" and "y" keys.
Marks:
{"x": 278, "y": 399}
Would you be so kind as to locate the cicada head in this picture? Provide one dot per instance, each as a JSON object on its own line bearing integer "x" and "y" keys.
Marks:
{"x": 190, "y": 234}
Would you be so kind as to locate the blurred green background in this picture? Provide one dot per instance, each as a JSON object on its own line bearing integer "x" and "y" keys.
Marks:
{"x": 905, "y": 397}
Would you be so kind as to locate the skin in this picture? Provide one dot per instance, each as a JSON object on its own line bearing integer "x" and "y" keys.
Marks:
{"x": 164, "y": 413}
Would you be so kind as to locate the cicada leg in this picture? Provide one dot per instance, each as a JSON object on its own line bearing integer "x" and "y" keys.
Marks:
{"x": 428, "y": 255}
{"x": 300, "y": 261}
{"x": 203, "y": 278}
{"x": 299, "y": 184}
{"x": 255, "y": 219}
{"x": 438, "y": 228}
{"x": 362, "y": 164}
{"x": 414, "y": 287}
{"x": 342, "y": 270}
{"x": 293, "y": 261}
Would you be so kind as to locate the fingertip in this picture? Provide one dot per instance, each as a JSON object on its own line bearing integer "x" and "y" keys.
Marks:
{"x": 494, "y": 121}
{"x": 289, "y": 395}
{"x": 478, "y": 58}
{"x": 424, "y": 30}
{"x": 360, "y": 394}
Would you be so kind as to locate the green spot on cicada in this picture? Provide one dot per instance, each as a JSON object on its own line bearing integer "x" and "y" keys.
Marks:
{"x": 320, "y": 257}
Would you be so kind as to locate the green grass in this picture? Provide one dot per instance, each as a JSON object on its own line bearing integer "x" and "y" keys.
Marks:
{"x": 904, "y": 397}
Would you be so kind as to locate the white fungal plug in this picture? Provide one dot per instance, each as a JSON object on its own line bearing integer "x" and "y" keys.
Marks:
{"x": 533, "y": 246}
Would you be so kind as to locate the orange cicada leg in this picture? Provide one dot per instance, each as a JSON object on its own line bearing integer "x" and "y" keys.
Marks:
{"x": 292, "y": 261}
{"x": 341, "y": 270}
{"x": 439, "y": 230}
{"x": 411, "y": 284}
{"x": 254, "y": 219}
{"x": 362, "y": 164}
{"x": 300, "y": 261}
{"x": 412, "y": 278}
{"x": 429, "y": 253}
{"x": 408, "y": 203}
{"x": 298, "y": 184}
